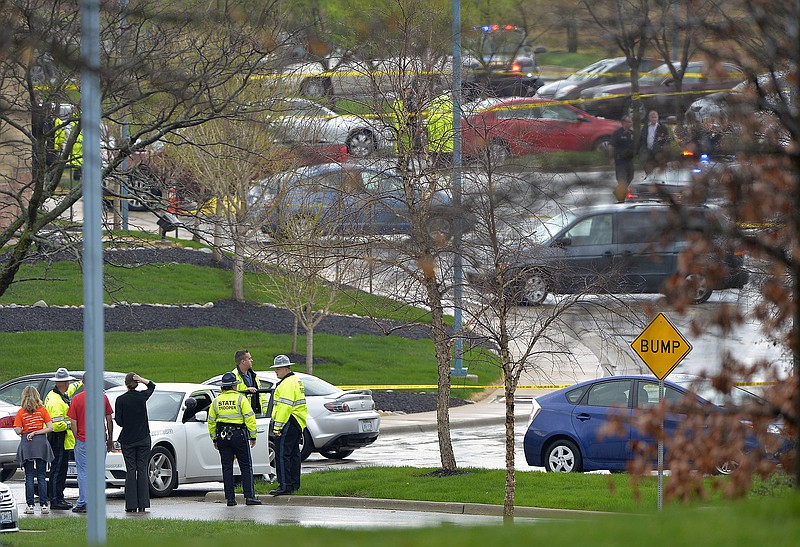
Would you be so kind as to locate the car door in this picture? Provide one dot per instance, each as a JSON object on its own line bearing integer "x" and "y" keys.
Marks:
{"x": 603, "y": 402}
{"x": 384, "y": 202}
{"x": 646, "y": 397}
{"x": 645, "y": 255}
{"x": 202, "y": 459}
{"x": 559, "y": 129}
{"x": 585, "y": 253}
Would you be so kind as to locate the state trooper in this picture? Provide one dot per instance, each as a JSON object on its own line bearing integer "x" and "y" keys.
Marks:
{"x": 231, "y": 424}
{"x": 289, "y": 417}
{"x": 62, "y": 440}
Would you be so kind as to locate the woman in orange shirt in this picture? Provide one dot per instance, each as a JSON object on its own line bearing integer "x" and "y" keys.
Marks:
{"x": 33, "y": 423}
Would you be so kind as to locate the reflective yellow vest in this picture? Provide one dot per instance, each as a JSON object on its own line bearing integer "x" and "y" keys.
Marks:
{"x": 242, "y": 386}
{"x": 231, "y": 407}
{"x": 58, "y": 409}
{"x": 440, "y": 124}
{"x": 289, "y": 400}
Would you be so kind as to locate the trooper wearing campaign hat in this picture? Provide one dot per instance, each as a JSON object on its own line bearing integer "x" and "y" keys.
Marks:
{"x": 61, "y": 439}
{"x": 231, "y": 424}
{"x": 289, "y": 415}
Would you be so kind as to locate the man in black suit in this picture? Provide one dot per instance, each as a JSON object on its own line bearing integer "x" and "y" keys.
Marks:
{"x": 653, "y": 143}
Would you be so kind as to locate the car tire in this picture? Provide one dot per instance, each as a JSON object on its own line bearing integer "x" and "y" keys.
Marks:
{"x": 316, "y": 88}
{"x": 306, "y": 445}
{"x": 272, "y": 475}
{"x": 535, "y": 289}
{"x": 698, "y": 284}
{"x": 336, "y": 454}
{"x": 563, "y": 456}
{"x": 162, "y": 472}
{"x": 361, "y": 144}
{"x": 497, "y": 151}
{"x": 7, "y": 473}
{"x": 726, "y": 468}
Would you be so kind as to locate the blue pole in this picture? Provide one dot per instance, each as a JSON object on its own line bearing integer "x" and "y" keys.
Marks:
{"x": 93, "y": 272}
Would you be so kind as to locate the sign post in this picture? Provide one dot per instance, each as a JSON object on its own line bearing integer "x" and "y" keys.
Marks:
{"x": 661, "y": 346}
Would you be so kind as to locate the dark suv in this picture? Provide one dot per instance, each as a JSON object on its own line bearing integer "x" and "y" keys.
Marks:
{"x": 621, "y": 248}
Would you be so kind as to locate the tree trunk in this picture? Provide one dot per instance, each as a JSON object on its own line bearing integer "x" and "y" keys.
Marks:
{"x": 216, "y": 253}
{"x": 572, "y": 35}
{"x": 295, "y": 328}
{"x": 237, "y": 292}
{"x": 309, "y": 340}
{"x": 509, "y": 388}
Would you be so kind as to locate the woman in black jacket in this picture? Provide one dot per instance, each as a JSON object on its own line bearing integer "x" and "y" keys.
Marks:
{"x": 130, "y": 413}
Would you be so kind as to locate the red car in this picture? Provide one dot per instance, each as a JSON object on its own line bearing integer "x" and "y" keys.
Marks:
{"x": 504, "y": 128}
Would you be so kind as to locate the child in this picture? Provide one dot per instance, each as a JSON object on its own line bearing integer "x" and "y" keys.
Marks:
{"x": 33, "y": 423}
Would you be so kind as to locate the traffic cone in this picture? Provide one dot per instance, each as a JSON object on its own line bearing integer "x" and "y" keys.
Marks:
{"x": 173, "y": 201}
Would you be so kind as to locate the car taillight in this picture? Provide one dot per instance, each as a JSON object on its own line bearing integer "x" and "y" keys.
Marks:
{"x": 534, "y": 412}
{"x": 515, "y": 67}
{"x": 337, "y": 407}
{"x": 7, "y": 421}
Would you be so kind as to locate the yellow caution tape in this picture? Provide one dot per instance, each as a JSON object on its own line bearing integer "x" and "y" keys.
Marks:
{"x": 461, "y": 386}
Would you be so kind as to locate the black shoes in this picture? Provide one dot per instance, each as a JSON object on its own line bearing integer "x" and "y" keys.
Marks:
{"x": 280, "y": 492}
{"x": 61, "y": 506}
{"x": 79, "y": 509}
{"x": 252, "y": 501}
{"x": 231, "y": 503}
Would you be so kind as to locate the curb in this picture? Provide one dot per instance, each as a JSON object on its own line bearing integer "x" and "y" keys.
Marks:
{"x": 428, "y": 426}
{"x": 457, "y": 508}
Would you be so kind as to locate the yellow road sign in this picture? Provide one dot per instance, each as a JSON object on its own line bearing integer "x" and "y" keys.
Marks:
{"x": 661, "y": 346}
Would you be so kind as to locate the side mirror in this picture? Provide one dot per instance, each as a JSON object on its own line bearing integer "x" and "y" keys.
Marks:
{"x": 562, "y": 242}
{"x": 539, "y": 49}
{"x": 201, "y": 416}
{"x": 581, "y": 118}
{"x": 669, "y": 82}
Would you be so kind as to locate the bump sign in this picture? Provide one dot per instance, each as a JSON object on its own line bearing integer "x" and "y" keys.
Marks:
{"x": 661, "y": 346}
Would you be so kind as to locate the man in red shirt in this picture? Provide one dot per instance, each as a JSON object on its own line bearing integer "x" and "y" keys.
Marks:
{"x": 77, "y": 415}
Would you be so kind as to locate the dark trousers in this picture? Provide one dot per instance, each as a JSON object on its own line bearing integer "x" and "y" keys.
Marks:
{"x": 57, "y": 479}
{"x": 237, "y": 445}
{"x": 137, "y": 484}
{"x": 287, "y": 457}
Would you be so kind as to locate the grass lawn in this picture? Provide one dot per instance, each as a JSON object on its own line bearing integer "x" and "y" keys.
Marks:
{"x": 194, "y": 355}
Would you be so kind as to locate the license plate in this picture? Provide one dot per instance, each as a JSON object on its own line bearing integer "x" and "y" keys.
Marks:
{"x": 5, "y": 517}
{"x": 72, "y": 469}
{"x": 366, "y": 425}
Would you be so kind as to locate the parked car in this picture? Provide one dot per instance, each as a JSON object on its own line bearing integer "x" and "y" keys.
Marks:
{"x": 181, "y": 451}
{"x": 10, "y": 397}
{"x": 564, "y": 430}
{"x": 498, "y": 61}
{"x": 9, "y": 441}
{"x": 602, "y": 72}
{"x": 616, "y": 248}
{"x": 303, "y": 120}
{"x": 692, "y": 182}
{"x": 9, "y": 514}
{"x": 343, "y": 198}
{"x": 505, "y": 128}
{"x": 338, "y": 421}
{"x": 659, "y": 91}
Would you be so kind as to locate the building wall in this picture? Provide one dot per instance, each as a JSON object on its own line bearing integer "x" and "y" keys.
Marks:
{"x": 15, "y": 150}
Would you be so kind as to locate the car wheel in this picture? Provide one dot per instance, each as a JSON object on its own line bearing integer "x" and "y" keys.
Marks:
{"x": 727, "y": 468}
{"x": 316, "y": 88}
{"x": 336, "y": 454}
{"x": 440, "y": 226}
{"x": 306, "y": 445}
{"x": 7, "y": 473}
{"x": 563, "y": 457}
{"x": 162, "y": 472}
{"x": 497, "y": 151}
{"x": 361, "y": 144}
{"x": 272, "y": 474}
{"x": 698, "y": 284}
{"x": 535, "y": 289}
{"x": 603, "y": 145}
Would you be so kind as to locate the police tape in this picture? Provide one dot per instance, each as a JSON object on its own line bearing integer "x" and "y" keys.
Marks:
{"x": 383, "y": 387}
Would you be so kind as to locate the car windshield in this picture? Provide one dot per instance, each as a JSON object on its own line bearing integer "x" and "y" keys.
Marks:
{"x": 551, "y": 226}
{"x": 592, "y": 71}
{"x": 162, "y": 406}
{"x": 655, "y": 76}
{"x": 738, "y": 397}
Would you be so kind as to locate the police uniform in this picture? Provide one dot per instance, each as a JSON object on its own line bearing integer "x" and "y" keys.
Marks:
{"x": 62, "y": 440}
{"x": 232, "y": 424}
{"x": 289, "y": 415}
